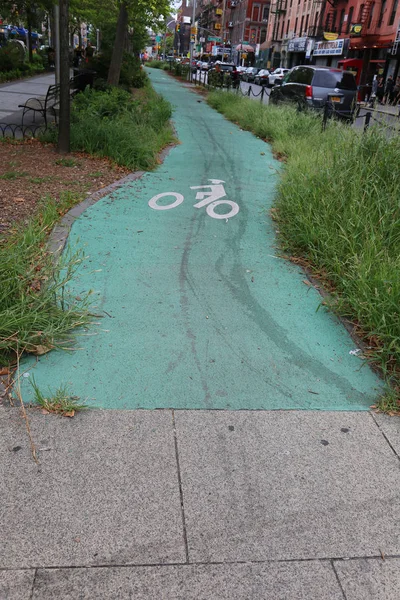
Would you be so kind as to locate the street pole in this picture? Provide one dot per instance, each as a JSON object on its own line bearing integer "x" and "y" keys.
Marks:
{"x": 165, "y": 41}
{"x": 63, "y": 145}
{"x": 192, "y": 40}
{"x": 223, "y": 28}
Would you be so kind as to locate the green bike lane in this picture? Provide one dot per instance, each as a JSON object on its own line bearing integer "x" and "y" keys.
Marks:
{"x": 200, "y": 312}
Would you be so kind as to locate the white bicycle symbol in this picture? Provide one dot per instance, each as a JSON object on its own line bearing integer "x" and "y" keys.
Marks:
{"x": 209, "y": 199}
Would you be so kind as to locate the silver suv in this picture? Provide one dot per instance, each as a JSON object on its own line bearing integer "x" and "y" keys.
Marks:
{"x": 315, "y": 86}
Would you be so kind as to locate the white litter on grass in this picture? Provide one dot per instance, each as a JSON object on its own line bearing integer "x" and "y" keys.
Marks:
{"x": 355, "y": 352}
{"x": 26, "y": 374}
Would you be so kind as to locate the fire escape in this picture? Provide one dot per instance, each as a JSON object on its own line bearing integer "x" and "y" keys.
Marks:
{"x": 278, "y": 10}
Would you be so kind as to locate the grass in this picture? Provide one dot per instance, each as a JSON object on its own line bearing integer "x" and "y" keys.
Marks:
{"x": 337, "y": 208}
{"x": 13, "y": 175}
{"x": 37, "y": 311}
{"x": 66, "y": 162}
{"x": 129, "y": 130}
{"x": 61, "y": 402}
{"x": 40, "y": 180}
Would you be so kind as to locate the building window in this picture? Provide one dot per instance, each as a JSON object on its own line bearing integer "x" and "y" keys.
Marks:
{"x": 341, "y": 22}
{"x": 301, "y": 25}
{"x": 393, "y": 13}
{"x": 295, "y": 26}
{"x": 334, "y": 16}
{"x": 360, "y": 13}
{"x": 307, "y": 23}
{"x": 263, "y": 36}
{"x": 349, "y": 19}
{"x": 265, "y": 13}
{"x": 287, "y": 27}
{"x": 256, "y": 12}
{"x": 371, "y": 15}
{"x": 383, "y": 8}
{"x": 283, "y": 25}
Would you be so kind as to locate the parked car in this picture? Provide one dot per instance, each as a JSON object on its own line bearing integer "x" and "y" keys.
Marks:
{"x": 205, "y": 66}
{"x": 241, "y": 71}
{"x": 262, "y": 77}
{"x": 277, "y": 74}
{"x": 314, "y": 86}
{"x": 250, "y": 73}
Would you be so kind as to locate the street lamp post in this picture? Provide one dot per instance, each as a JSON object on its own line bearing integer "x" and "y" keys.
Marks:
{"x": 192, "y": 40}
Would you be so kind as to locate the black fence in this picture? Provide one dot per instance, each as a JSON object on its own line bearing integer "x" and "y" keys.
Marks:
{"x": 224, "y": 81}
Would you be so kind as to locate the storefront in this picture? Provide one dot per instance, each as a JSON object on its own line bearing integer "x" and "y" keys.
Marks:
{"x": 296, "y": 52}
{"x": 329, "y": 53}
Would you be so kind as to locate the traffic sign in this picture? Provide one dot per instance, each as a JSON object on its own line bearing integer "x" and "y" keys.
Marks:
{"x": 214, "y": 39}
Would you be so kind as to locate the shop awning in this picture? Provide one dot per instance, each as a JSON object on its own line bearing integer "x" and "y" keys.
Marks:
{"x": 244, "y": 48}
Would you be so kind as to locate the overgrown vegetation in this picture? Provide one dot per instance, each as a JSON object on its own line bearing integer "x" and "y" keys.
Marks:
{"x": 37, "y": 312}
{"x": 338, "y": 209}
{"x": 131, "y": 130}
{"x": 158, "y": 64}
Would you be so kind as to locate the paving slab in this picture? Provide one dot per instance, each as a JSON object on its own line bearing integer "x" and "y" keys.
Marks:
{"x": 367, "y": 579}
{"x": 106, "y": 493}
{"x": 277, "y": 581}
{"x": 390, "y": 426}
{"x": 16, "y": 584}
{"x": 287, "y": 485}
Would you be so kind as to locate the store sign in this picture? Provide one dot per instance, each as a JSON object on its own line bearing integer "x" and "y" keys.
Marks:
{"x": 330, "y": 37}
{"x": 356, "y": 29}
{"x": 297, "y": 45}
{"x": 334, "y": 48}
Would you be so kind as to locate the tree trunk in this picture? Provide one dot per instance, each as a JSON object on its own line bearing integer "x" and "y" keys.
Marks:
{"x": 118, "y": 50}
{"x": 64, "y": 120}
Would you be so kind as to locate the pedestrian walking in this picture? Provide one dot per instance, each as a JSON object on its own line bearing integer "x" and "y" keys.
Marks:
{"x": 78, "y": 54}
{"x": 380, "y": 91}
{"x": 389, "y": 86}
{"x": 374, "y": 90}
{"x": 396, "y": 92}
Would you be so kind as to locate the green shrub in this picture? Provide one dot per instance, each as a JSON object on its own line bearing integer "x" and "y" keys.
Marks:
{"x": 130, "y": 131}
{"x": 132, "y": 74}
{"x": 10, "y": 58}
{"x": 157, "y": 64}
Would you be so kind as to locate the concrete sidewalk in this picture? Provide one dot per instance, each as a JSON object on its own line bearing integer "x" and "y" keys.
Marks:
{"x": 14, "y": 93}
{"x": 200, "y": 505}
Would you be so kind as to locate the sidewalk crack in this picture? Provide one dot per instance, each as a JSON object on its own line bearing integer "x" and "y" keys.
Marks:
{"x": 33, "y": 585}
{"x": 338, "y": 580}
{"x": 385, "y": 436}
{"x": 180, "y": 489}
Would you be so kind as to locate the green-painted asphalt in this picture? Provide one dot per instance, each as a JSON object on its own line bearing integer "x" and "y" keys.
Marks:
{"x": 202, "y": 312}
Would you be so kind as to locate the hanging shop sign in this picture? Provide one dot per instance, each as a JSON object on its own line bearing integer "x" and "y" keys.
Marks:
{"x": 334, "y": 48}
{"x": 356, "y": 29}
{"x": 330, "y": 37}
{"x": 297, "y": 45}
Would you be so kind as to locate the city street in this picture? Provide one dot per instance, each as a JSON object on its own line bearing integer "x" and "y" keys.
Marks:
{"x": 230, "y": 452}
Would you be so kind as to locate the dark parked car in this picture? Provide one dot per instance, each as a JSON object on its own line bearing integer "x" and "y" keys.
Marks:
{"x": 315, "y": 86}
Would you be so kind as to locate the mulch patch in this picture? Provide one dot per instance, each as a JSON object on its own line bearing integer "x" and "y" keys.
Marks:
{"x": 30, "y": 171}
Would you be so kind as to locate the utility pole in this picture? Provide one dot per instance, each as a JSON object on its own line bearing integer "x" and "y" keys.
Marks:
{"x": 192, "y": 39}
{"x": 223, "y": 27}
{"x": 63, "y": 145}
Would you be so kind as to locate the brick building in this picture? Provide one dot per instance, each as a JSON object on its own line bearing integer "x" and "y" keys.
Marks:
{"x": 242, "y": 22}
{"x": 356, "y": 34}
